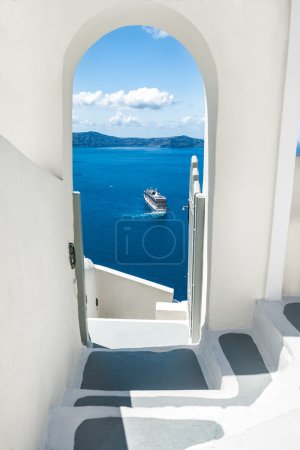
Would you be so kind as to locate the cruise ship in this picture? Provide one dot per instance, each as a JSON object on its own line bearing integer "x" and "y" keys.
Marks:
{"x": 155, "y": 200}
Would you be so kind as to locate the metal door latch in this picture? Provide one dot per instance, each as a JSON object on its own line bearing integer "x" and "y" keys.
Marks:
{"x": 72, "y": 255}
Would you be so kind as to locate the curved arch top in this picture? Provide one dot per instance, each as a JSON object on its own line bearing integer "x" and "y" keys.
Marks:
{"x": 150, "y": 14}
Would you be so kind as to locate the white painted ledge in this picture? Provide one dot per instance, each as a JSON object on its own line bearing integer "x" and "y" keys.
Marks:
{"x": 120, "y": 333}
{"x": 139, "y": 280}
{"x": 172, "y": 311}
{"x": 122, "y": 296}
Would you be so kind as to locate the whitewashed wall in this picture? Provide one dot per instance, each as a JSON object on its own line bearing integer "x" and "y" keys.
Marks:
{"x": 241, "y": 48}
{"x": 39, "y": 333}
{"x": 291, "y": 284}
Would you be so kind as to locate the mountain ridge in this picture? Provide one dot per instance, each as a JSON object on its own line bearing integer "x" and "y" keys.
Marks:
{"x": 90, "y": 139}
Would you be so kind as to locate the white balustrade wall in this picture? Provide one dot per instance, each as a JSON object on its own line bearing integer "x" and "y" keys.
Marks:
{"x": 39, "y": 328}
{"x": 122, "y": 296}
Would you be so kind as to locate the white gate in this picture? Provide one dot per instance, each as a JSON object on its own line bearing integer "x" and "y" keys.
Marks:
{"x": 195, "y": 250}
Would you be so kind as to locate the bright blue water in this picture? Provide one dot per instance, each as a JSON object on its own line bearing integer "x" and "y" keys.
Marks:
{"x": 119, "y": 230}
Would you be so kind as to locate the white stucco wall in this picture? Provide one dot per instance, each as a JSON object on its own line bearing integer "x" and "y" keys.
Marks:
{"x": 291, "y": 285}
{"x": 250, "y": 96}
{"x": 288, "y": 132}
{"x": 122, "y": 296}
{"x": 39, "y": 333}
{"x": 241, "y": 49}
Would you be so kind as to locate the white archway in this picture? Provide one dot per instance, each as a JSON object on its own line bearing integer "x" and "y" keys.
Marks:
{"x": 185, "y": 32}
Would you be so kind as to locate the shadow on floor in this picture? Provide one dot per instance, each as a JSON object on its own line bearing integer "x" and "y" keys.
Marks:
{"x": 144, "y": 433}
{"x": 106, "y": 400}
{"x": 292, "y": 313}
{"x": 248, "y": 366}
{"x": 143, "y": 370}
{"x": 174, "y": 370}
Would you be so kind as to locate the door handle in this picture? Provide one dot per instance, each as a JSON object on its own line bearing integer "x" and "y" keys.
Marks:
{"x": 188, "y": 210}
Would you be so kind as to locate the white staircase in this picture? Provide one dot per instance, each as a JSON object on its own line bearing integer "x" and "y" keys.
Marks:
{"x": 233, "y": 384}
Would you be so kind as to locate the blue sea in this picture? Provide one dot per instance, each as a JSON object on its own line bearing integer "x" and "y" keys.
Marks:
{"x": 119, "y": 230}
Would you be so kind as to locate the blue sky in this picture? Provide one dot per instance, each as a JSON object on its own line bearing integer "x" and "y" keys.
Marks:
{"x": 138, "y": 81}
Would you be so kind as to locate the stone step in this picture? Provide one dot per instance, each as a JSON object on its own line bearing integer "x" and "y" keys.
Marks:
{"x": 131, "y": 398}
{"x": 144, "y": 399}
{"x": 101, "y": 428}
{"x": 132, "y": 333}
{"x": 291, "y": 311}
{"x": 176, "y": 369}
{"x": 275, "y": 335}
{"x": 277, "y": 433}
{"x": 170, "y": 378}
{"x": 185, "y": 367}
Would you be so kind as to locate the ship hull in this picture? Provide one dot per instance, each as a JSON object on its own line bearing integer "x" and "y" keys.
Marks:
{"x": 153, "y": 205}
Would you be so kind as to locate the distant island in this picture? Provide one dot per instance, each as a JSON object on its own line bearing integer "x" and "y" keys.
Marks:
{"x": 94, "y": 139}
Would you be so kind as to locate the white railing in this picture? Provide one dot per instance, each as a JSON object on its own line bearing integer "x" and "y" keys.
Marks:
{"x": 195, "y": 251}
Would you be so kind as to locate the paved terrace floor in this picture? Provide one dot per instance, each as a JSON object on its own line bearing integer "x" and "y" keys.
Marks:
{"x": 141, "y": 399}
{"x": 143, "y": 370}
{"x": 172, "y": 370}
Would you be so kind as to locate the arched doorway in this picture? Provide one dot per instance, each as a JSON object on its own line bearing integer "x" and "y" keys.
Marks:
{"x": 179, "y": 27}
{"x": 137, "y": 121}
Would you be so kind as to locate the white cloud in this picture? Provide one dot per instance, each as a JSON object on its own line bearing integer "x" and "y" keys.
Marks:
{"x": 77, "y": 121}
{"x": 87, "y": 98}
{"x": 86, "y": 122}
{"x": 189, "y": 120}
{"x": 156, "y": 33}
{"x": 185, "y": 124}
{"x": 121, "y": 119}
{"x": 186, "y": 120}
{"x": 142, "y": 98}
